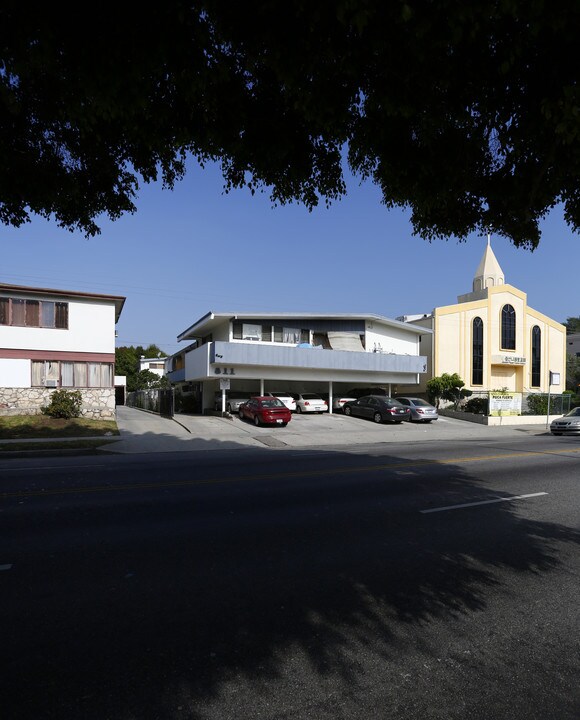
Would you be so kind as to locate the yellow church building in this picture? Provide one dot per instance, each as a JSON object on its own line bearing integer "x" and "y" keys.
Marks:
{"x": 493, "y": 339}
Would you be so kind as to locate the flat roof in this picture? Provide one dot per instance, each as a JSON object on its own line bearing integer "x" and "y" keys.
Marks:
{"x": 211, "y": 320}
{"x": 117, "y": 300}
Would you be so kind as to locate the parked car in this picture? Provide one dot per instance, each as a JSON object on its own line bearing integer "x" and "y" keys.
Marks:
{"x": 568, "y": 424}
{"x": 380, "y": 408}
{"x": 310, "y": 402}
{"x": 289, "y": 399}
{"x": 234, "y": 398}
{"x": 265, "y": 410}
{"x": 338, "y": 401}
{"x": 421, "y": 410}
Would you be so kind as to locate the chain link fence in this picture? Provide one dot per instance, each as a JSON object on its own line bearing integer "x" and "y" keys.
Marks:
{"x": 532, "y": 403}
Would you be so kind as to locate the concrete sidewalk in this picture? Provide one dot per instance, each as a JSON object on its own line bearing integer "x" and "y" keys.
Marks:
{"x": 143, "y": 432}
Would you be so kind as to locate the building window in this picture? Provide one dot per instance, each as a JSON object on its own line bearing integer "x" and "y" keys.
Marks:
{"x": 20, "y": 312}
{"x": 52, "y": 373}
{"x": 477, "y": 352}
{"x": 508, "y": 328}
{"x": 536, "y": 356}
{"x": 269, "y": 333}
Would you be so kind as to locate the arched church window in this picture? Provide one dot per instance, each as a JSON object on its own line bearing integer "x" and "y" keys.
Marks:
{"x": 477, "y": 352}
{"x": 536, "y": 356}
{"x": 508, "y": 328}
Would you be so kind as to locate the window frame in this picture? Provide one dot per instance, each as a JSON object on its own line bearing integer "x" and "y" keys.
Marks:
{"x": 34, "y": 313}
{"x": 54, "y": 368}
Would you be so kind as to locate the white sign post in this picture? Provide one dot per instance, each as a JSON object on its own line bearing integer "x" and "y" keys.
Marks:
{"x": 554, "y": 379}
{"x": 224, "y": 385}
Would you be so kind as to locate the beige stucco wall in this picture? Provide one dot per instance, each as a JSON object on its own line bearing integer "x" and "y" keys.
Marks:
{"x": 452, "y": 344}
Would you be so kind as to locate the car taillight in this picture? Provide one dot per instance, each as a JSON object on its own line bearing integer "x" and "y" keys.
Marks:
{"x": 306, "y": 402}
{"x": 419, "y": 410}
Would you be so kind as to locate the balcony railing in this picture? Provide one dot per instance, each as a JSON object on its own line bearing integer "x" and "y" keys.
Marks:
{"x": 312, "y": 358}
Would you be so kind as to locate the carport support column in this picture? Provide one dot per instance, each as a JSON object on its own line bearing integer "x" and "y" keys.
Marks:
{"x": 262, "y": 386}
{"x": 330, "y": 400}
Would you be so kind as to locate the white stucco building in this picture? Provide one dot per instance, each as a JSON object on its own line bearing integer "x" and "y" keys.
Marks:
{"x": 326, "y": 353}
{"x": 53, "y": 339}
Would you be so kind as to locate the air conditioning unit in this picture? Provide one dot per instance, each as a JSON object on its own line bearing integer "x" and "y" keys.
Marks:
{"x": 51, "y": 383}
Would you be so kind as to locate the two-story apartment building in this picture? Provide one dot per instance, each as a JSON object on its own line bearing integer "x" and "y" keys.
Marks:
{"x": 57, "y": 339}
{"x": 325, "y": 353}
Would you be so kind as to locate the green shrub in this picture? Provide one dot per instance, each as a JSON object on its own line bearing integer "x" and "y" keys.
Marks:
{"x": 477, "y": 405}
{"x": 64, "y": 404}
{"x": 537, "y": 404}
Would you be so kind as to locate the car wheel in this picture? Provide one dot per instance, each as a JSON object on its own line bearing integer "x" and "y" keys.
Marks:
{"x": 346, "y": 410}
{"x": 256, "y": 421}
{"x": 229, "y": 408}
{"x": 240, "y": 414}
{"x": 298, "y": 409}
{"x": 284, "y": 424}
{"x": 554, "y": 433}
{"x": 377, "y": 417}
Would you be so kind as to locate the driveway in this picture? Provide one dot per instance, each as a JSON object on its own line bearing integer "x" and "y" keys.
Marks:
{"x": 145, "y": 432}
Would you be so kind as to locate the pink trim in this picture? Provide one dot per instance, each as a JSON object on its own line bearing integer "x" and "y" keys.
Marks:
{"x": 57, "y": 355}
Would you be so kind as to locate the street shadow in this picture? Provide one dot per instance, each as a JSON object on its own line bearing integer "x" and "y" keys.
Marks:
{"x": 201, "y": 588}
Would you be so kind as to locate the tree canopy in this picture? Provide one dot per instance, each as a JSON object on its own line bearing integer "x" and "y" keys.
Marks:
{"x": 467, "y": 114}
{"x": 572, "y": 324}
{"x": 127, "y": 363}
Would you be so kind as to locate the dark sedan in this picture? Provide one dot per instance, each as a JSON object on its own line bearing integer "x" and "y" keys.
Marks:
{"x": 379, "y": 408}
{"x": 265, "y": 410}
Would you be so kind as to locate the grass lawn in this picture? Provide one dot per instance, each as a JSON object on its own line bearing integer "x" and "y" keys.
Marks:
{"x": 32, "y": 427}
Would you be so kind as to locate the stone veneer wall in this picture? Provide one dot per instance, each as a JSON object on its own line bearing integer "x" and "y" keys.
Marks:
{"x": 98, "y": 403}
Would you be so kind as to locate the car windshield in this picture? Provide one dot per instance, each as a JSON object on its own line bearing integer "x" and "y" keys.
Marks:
{"x": 575, "y": 412}
{"x": 310, "y": 396}
{"x": 272, "y": 403}
{"x": 419, "y": 403}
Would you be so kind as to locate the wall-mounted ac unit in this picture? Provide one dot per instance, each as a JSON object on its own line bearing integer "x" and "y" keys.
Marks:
{"x": 50, "y": 383}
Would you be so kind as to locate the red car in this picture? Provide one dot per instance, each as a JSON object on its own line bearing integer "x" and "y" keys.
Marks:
{"x": 265, "y": 410}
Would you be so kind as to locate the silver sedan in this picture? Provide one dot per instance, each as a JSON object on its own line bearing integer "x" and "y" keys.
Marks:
{"x": 569, "y": 424}
{"x": 421, "y": 410}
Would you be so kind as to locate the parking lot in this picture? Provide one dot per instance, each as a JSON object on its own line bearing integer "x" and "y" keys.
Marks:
{"x": 143, "y": 432}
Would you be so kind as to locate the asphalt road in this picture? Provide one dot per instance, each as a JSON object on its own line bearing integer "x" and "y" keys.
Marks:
{"x": 426, "y": 581}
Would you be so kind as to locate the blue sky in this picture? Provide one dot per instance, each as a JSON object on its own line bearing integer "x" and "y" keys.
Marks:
{"x": 194, "y": 249}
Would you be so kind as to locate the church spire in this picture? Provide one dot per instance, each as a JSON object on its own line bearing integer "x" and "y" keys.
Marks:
{"x": 488, "y": 273}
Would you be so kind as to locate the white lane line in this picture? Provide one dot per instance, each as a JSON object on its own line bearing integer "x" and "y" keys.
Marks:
{"x": 482, "y": 502}
{"x": 5, "y": 567}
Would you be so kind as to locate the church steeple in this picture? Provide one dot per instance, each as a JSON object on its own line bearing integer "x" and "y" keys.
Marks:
{"x": 488, "y": 273}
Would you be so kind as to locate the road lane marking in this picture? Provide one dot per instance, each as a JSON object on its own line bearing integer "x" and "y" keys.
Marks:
{"x": 5, "y": 567}
{"x": 482, "y": 502}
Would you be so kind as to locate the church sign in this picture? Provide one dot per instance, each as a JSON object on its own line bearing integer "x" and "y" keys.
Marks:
{"x": 503, "y": 403}
{"x": 507, "y": 360}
